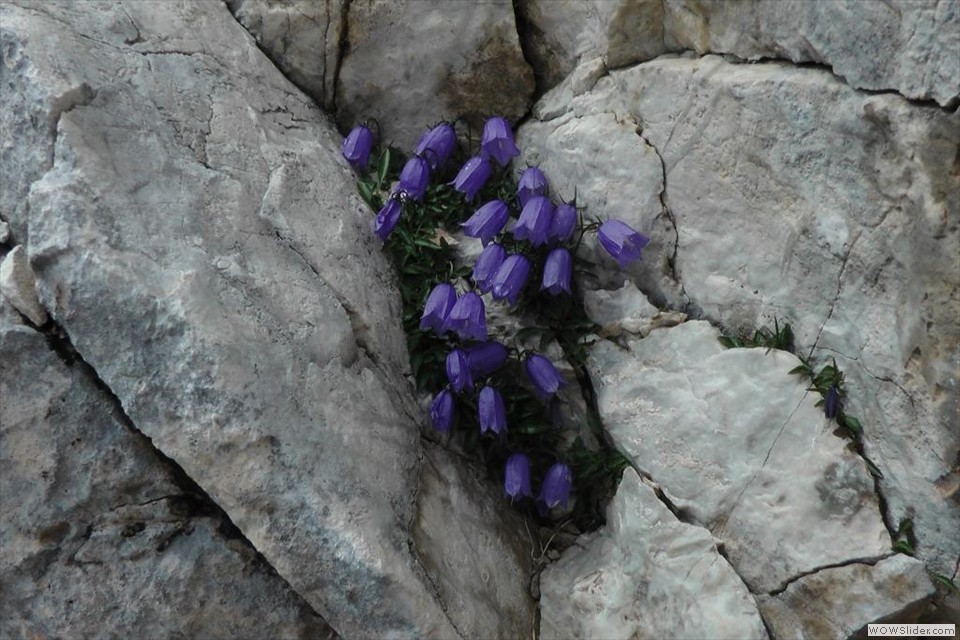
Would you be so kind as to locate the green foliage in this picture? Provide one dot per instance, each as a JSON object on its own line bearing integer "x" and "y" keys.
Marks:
{"x": 946, "y": 583}
{"x": 905, "y": 541}
{"x": 779, "y": 338}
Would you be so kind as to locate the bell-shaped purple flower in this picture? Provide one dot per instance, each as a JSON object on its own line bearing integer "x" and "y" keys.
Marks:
{"x": 532, "y": 183}
{"x": 497, "y": 141}
{"x": 487, "y": 265}
{"x": 437, "y": 145}
{"x": 564, "y": 222}
{"x": 621, "y": 241}
{"x": 831, "y": 403}
{"x": 440, "y": 302}
{"x": 472, "y": 176}
{"x": 544, "y": 376}
{"x": 556, "y": 271}
{"x": 357, "y": 145}
{"x": 458, "y": 371}
{"x": 516, "y": 477}
{"x": 441, "y": 411}
{"x": 556, "y": 486}
{"x": 414, "y": 178}
{"x": 387, "y": 219}
{"x": 511, "y": 278}
{"x": 468, "y": 317}
{"x": 492, "y": 412}
{"x": 535, "y": 221}
{"x": 486, "y": 357}
{"x": 487, "y": 221}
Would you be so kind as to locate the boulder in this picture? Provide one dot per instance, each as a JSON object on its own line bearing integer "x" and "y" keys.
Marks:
{"x": 18, "y": 286}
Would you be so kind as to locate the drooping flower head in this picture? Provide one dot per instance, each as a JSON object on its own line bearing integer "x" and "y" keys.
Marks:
{"x": 387, "y": 219}
{"x": 511, "y": 278}
{"x": 487, "y": 264}
{"x": 564, "y": 222}
{"x": 357, "y": 145}
{"x": 491, "y": 410}
{"x": 516, "y": 477}
{"x": 441, "y": 411}
{"x": 555, "y": 489}
{"x": 472, "y": 176}
{"x": 440, "y": 302}
{"x": 535, "y": 221}
{"x": 458, "y": 371}
{"x": 544, "y": 376}
{"x": 487, "y": 221}
{"x": 468, "y": 317}
{"x": 486, "y": 357}
{"x": 532, "y": 183}
{"x": 414, "y": 178}
{"x": 621, "y": 241}
{"x": 556, "y": 271}
{"x": 831, "y": 403}
{"x": 437, "y": 145}
{"x": 497, "y": 141}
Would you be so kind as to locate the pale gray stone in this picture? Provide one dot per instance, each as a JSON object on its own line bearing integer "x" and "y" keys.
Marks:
{"x": 4, "y": 231}
{"x": 18, "y": 285}
{"x": 98, "y": 539}
{"x": 737, "y": 445}
{"x": 841, "y": 602}
{"x": 645, "y": 575}
{"x": 627, "y": 310}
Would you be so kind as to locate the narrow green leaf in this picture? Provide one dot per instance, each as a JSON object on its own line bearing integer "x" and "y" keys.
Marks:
{"x": 383, "y": 166}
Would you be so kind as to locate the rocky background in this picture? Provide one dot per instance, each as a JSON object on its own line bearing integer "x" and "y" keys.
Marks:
{"x": 208, "y": 424}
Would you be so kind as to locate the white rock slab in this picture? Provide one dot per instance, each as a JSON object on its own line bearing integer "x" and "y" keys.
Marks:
{"x": 18, "y": 285}
{"x": 738, "y": 446}
{"x": 645, "y": 575}
{"x": 841, "y": 602}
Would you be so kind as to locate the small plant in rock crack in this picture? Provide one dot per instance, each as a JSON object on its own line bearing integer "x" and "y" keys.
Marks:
{"x": 505, "y": 402}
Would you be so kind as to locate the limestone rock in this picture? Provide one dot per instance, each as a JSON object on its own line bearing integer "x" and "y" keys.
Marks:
{"x": 412, "y": 64}
{"x": 4, "y": 231}
{"x": 840, "y": 602}
{"x": 98, "y": 538}
{"x": 18, "y": 285}
{"x": 627, "y": 310}
{"x": 737, "y": 444}
{"x": 646, "y": 575}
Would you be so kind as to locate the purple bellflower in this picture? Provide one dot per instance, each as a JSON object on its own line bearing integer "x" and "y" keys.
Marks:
{"x": 472, "y": 176}
{"x": 486, "y": 357}
{"x": 556, "y": 271}
{"x": 387, "y": 219}
{"x": 511, "y": 278}
{"x": 487, "y": 221}
{"x": 487, "y": 265}
{"x": 532, "y": 183}
{"x": 493, "y": 414}
{"x": 831, "y": 403}
{"x": 357, "y": 145}
{"x": 544, "y": 376}
{"x": 441, "y": 411}
{"x": 458, "y": 371}
{"x": 621, "y": 241}
{"x": 414, "y": 178}
{"x": 497, "y": 141}
{"x": 535, "y": 221}
{"x": 564, "y": 222}
{"x": 440, "y": 302}
{"x": 437, "y": 145}
{"x": 468, "y": 317}
{"x": 516, "y": 480}
{"x": 556, "y": 486}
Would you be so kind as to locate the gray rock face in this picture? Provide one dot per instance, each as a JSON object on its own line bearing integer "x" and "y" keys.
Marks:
{"x": 197, "y": 236}
{"x": 98, "y": 538}
{"x": 18, "y": 285}
{"x": 646, "y": 575}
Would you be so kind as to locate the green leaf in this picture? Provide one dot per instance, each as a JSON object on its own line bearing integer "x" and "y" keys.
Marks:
{"x": 383, "y": 166}
{"x": 366, "y": 191}
{"x": 851, "y": 423}
{"x": 874, "y": 470}
{"x": 802, "y": 370}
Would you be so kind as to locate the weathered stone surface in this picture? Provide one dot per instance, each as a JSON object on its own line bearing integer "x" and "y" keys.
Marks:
{"x": 98, "y": 539}
{"x": 646, "y": 575}
{"x": 411, "y": 64}
{"x": 737, "y": 444}
{"x": 18, "y": 285}
{"x": 4, "y": 231}
{"x": 798, "y": 197}
{"x": 302, "y": 37}
{"x": 627, "y": 310}
{"x": 196, "y": 234}
{"x": 838, "y": 603}
{"x": 482, "y": 588}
